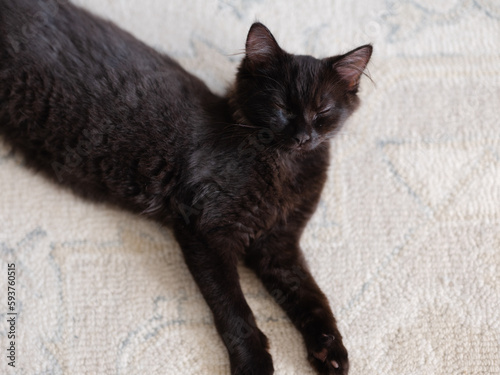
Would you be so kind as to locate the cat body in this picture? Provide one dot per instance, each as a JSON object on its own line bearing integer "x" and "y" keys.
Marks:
{"x": 236, "y": 177}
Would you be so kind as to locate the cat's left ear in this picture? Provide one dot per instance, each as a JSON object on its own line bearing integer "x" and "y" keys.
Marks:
{"x": 350, "y": 66}
{"x": 261, "y": 47}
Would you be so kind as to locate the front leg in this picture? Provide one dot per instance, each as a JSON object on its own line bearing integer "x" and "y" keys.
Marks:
{"x": 278, "y": 261}
{"x": 215, "y": 272}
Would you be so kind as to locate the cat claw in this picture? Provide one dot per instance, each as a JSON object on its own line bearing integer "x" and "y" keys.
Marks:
{"x": 332, "y": 358}
{"x": 322, "y": 357}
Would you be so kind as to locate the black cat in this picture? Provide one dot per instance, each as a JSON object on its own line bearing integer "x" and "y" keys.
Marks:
{"x": 236, "y": 177}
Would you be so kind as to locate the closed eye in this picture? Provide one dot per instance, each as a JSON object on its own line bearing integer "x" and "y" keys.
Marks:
{"x": 322, "y": 112}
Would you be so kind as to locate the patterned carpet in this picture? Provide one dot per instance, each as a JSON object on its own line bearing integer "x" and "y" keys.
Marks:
{"x": 405, "y": 243}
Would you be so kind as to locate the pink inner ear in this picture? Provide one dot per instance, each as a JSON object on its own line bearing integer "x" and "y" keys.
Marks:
{"x": 260, "y": 45}
{"x": 353, "y": 64}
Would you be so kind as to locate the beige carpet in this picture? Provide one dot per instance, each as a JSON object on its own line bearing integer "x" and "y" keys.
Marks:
{"x": 406, "y": 241}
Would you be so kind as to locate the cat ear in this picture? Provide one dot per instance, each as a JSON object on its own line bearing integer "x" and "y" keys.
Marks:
{"x": 351, "y": 65}
{"x": 261, "y": 46}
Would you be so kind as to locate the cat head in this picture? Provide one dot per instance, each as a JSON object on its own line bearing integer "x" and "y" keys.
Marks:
{"x": 302, "y": 100}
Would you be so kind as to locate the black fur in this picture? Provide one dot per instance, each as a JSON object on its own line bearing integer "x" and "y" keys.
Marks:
{"x": 236, "y": 177}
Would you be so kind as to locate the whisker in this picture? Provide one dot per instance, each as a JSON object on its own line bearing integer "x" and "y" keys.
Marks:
{"x": 237, "y": 124}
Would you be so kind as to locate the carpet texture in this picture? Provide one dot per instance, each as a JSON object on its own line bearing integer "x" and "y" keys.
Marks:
{"x": 405, "y": 242}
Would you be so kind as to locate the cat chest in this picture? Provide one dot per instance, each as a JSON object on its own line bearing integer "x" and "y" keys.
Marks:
{"x": 249, "y": 216}
{"x": 243, "y": 204}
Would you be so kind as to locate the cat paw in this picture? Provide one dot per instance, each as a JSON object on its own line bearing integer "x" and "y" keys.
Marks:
{"x": 329, "y": 356}
{"x": 261, "y": 365}
{"x": 252, "y": 359}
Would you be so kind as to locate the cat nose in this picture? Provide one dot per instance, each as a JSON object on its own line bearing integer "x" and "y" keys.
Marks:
{"x": 301, "y": 138}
